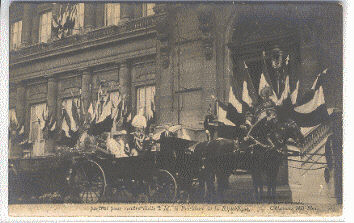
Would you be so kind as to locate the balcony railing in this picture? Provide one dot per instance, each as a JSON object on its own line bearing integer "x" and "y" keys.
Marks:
{"x": 143, "y": 23}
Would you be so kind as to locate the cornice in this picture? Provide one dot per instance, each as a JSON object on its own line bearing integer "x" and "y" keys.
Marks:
{"x": 133, "y": 29}
{"x": 82, "y": 65}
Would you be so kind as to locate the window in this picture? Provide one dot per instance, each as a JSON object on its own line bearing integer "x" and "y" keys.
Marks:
{"x": 112, "y": 14}
{"x": 79, "y": 18}
{"x": 45, "y": 27}
{"x": 15, "y": 35}
{"x": 36, "y": 125}
{"x": 148, "y": 9}
{"x": 145, "y": 100}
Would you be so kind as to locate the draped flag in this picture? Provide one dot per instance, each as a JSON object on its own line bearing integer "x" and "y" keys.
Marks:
{"x": 294, "y": 94}
{"x": 106, "y": 109}
{"x": 63, "y": 19}
{"x": 233, "y": 100}
{"x": 66, "y": 123}
{"x": 312, "y": 110}
{"x": 151, "y": 116}
{"x": 247, "y": 87}
{"x": 75, "y": 121}
{"x": 286, "y": 92}
{"x": 221, "y": 114}
{"x": 91, "y": 113}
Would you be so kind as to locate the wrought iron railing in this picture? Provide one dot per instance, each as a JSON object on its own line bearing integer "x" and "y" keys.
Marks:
{"x": 316, "y": 136}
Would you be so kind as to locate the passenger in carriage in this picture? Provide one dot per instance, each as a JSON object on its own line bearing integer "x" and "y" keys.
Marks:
{"x": 139, "y": 123}
{"x": 267, "y": 106}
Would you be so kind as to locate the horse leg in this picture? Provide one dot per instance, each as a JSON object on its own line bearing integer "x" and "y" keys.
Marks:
{"x": 269, "y": 185}
{"x": 222, "y": 183}
{"x": 210, "y": 178}
{"x": 274, "y": 183}
{"x": 255, "y": 186}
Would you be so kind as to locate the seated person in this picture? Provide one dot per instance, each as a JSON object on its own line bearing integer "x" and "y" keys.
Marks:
{"x": 117, "y": 148}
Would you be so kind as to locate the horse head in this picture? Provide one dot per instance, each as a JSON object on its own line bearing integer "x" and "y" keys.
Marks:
{"x": 291, "y": 131}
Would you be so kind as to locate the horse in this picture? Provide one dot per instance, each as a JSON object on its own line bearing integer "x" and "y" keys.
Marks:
{"x": 221, "y": 156}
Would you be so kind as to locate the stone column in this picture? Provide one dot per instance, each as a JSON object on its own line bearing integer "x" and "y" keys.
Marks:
{"x": 20, "y": 103}
{"x": 52, "y": 109}
{"x": 52, "y": 95}
{"x": 28, "y": 13}
{"x": 100, "y": 14}
{"x": 86, "y": 83}
{"x": 35, "y": 25}
{"x": 125, "y": 81}
{"x": 126, "y": 11}
{"x": 90, "y": 16}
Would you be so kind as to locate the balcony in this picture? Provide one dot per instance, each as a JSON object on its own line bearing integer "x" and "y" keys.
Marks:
{"x": 89, "y": 38}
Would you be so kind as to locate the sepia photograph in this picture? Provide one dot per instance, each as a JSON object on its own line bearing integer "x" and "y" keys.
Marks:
{"x": 175, "y": 109}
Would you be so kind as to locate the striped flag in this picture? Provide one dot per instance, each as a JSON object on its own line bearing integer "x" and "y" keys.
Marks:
{"x": 221, "y": 114}
{"x": 286, "y": 92}
{"x": 233, "y": 100}
{"x": 247, "y": 87}
{"x": 312, "y": 109}
{"x": 294, "y": 94}
{"x": 66, "y": 123}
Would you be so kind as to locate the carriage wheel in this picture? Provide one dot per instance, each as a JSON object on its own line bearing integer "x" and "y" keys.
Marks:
{"x": 89, "y": 182}
{"x": 163, "y": 187}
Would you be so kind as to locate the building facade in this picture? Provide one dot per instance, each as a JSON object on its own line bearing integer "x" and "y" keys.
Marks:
{"x": 176, "y": 55}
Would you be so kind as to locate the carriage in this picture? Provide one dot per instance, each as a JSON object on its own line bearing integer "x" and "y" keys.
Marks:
{"x": 95, "y": 175}
{"x": 152, "y": 176}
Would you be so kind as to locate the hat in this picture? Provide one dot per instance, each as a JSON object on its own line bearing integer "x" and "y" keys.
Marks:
{"x": 266, "y": 92}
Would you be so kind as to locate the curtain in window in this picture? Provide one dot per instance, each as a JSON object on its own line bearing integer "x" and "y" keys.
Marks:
{"x": 45, "y": 27}
{"x": 79, "y": 18}
{"x": 148, "y": 9}
{"x": 112, "y": 14}
{"x": 145, "y": 100}
{"x": 15, "y": 36}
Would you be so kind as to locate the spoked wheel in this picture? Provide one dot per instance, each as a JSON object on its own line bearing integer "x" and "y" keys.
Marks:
{"x": 89, "y": 182}
{"x": 163, "y": 187}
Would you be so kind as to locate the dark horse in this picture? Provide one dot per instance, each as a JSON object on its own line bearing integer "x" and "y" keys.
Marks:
{"x": 257, "y": 154}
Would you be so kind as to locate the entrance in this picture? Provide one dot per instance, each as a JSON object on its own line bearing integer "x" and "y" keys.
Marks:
{"x": 249, "y": 41}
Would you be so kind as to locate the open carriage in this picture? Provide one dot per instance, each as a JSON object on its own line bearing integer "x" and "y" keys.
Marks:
{"x": 153, "y": 176}
{"x": 95, "y": 175}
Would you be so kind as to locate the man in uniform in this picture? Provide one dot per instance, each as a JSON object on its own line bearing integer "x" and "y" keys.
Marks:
{"x": 139, "y": 123}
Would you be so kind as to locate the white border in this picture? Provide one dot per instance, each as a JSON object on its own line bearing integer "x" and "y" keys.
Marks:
{"x": 348, "y": 130}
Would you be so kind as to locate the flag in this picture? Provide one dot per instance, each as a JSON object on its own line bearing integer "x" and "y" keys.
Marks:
{"x": 65, "y": 124}
{"x": 106, "y": 110}
{"x": 150, "y": 116}
{"x": 233, "y": 100}
{"x": 286, "y": 92}
{"x": 63, "y": 19}
{"x": 312, "y": 110}
{"x": 247, "y": 87}
{"x": 75, "y": 115}
{"x": 91, "y": 113}
{"x": 221, "y": 114}
{"x": 265, "y": 81}
{"x": 117, "y": 107}
{"x": 294, "y": 94}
